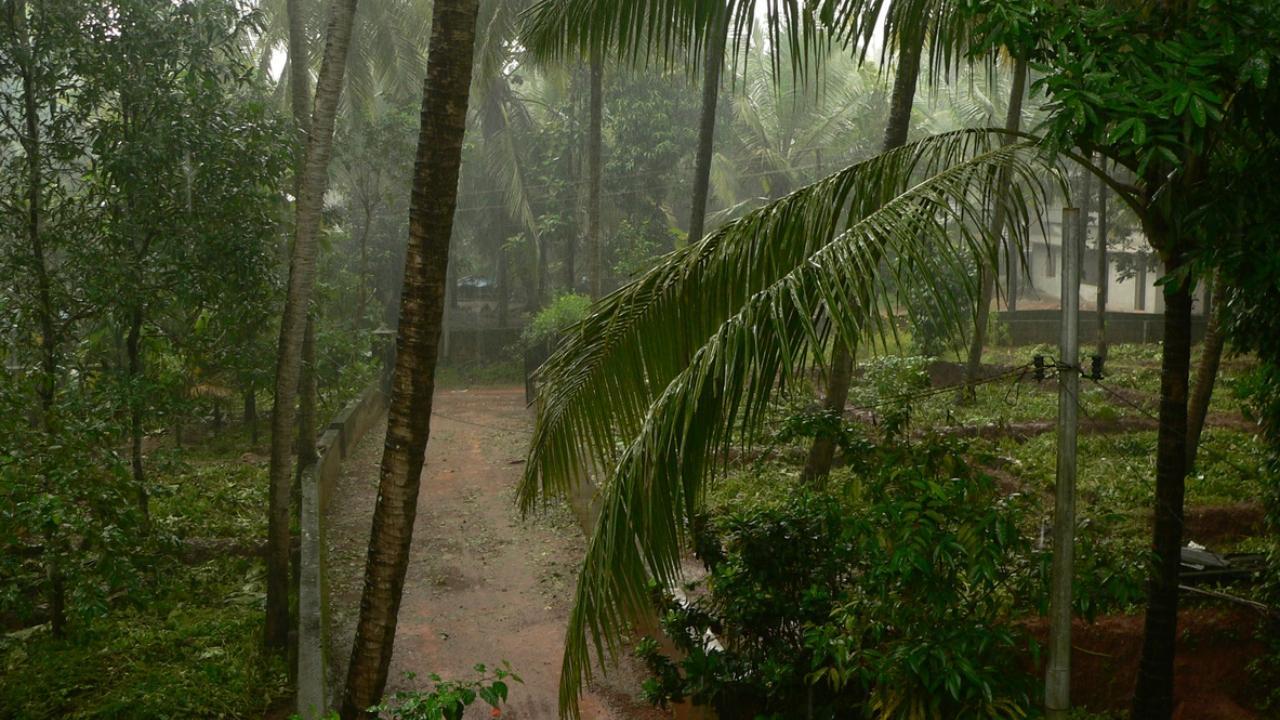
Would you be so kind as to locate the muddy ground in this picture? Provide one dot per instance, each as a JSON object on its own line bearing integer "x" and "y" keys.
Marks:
{"x": 483, "y": 585}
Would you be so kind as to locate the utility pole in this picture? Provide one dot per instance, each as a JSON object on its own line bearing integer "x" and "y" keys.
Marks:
{"x": 1057, "y": 683}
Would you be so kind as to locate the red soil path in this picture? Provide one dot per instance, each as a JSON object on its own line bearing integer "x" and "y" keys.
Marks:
{"x": 483, "y": 585}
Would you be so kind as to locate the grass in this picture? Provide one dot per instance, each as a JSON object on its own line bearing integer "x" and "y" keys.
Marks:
{"x": 506, "y": 371}
{"x": 186, "y": 641}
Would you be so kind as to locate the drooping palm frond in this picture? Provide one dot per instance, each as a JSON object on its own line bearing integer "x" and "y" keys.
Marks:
{"x": 679, "y": 31}
{"x": 669, "y": 371}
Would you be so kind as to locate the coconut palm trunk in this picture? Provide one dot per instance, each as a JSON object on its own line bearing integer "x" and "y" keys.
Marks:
{"x": 595, "y": 145}
{"x": 434, "y": 199}
{"x": 302, "y": 270}
{"x": 822, "y": 452}
{"x": 999, "y": 215}
{"x": 712, "y": 62}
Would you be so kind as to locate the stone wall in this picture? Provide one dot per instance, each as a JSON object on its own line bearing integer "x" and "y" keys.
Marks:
{"x": 315, "y": 687}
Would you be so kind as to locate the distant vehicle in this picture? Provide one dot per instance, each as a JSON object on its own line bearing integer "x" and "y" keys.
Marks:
{"x": 476, "y": 287}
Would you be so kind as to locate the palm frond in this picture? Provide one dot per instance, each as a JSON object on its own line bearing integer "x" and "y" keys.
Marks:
{"x": 679, "y": 31}
{"x": 671, "y": 370}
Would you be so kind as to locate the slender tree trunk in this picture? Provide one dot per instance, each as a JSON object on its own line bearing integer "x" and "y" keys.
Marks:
{"x": 504, "y": 285}
{"x": 444, "y": 112}
{"x": 571, "y": 171}
{"x": 302, "y": 267}
{"x": 1153, "y": 696}
{"x": 32, "y": 147}
{"x": 133, "y": 350}
{"x": 595, "y": 144}
{"x": 363, "y": 288}
{"x": 251, "y": 412}
{"x": 49, "y": 340}
{"x": 1207, "y": 371}
{"x": 1104, "y": 266}
{"x": 987, "y": 275}
{"x": 822, "y": 452}
{"x": 711, "y": 65}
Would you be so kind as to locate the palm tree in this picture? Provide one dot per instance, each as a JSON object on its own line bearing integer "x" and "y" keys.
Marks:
{"x": 670, "y": 30}
{"x": 786, "y": 129}
{"x": 1013, "y": 124}
{"x": 772, "y": 290}
{"x": 910, "y": 27}
{"x": 302, "y": 269}
{"x": 435, "y": 184}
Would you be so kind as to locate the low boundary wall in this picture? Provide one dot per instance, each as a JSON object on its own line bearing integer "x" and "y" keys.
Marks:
{"x": 340, "y": 437}
{"x": 1040, "y": 327}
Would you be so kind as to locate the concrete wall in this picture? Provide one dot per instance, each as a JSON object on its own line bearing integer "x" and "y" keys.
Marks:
{"x": 315, "y": 685}
{"x": 1034, "y": 327}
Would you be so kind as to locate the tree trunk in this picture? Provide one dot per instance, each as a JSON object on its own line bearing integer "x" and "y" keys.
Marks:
{"x": 1207, "y": 372}
{"x": 133, "y": 349}
{"x": 822, "y": 452}
{"x": 573, "y": 174}
{"x": 32, "y": 147}
{"x": 251, "y": 413}
{"x": 1104, "y": 267}
{"x": 504, "y": 285}
{"x": 302, "y": 268}
{"x": 711, "y": 65}
{"x": 49, "y": 341}
{"x": 362, "y": 289}
{"x": 434, "y": 198}
{"x": 987, "y": 275}
{"x": 1153, "y": 696}
{"x": 595, "y": 143}
{"x": 299, "y": 71}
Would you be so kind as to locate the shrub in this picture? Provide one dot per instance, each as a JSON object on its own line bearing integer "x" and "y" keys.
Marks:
{"x": 449, "y": 699}
{"x": 565, "y": 310}
{"x": 890, "y": 607}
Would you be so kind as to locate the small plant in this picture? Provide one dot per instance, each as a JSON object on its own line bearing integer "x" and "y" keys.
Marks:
{"x": 449, "y": 699}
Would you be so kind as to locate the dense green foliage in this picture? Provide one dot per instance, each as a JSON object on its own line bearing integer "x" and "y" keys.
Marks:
{"x": 833, "y": 600}
{"x": 179, "y": 633}
{"x": 449, "y": 699}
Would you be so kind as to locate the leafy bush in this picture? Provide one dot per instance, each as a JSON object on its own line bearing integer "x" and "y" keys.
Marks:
{"x": 888, "y": 382}
{"x": 885, "y": 594}
{"x": 449, "y": 699}
{"x": 559, "y": 314}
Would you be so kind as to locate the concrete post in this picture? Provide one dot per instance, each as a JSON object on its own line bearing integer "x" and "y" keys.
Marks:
{"x": 1057, "y": 685}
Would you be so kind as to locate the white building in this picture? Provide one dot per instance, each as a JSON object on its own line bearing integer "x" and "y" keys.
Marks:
{"x": 1132, "y": 268}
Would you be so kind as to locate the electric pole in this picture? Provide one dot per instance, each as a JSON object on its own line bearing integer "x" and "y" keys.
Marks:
{"x": 1057, "y": 684}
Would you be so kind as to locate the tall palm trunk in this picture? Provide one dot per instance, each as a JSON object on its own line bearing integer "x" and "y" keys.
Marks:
{"x": 302, "y": 268}
{"x": 822, "y": 452}
{"x": 434, "y": 198}
{"x": 1153, "y": 696}
{"x": 999, "y": 215}
{"x": 711, "y": 65}
{"x": 1104, "y": 267}
{"x": 1207, "y": 371}
{"x": 595, "y": 144}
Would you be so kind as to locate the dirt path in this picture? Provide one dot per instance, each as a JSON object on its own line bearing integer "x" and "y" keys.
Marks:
{"x": 483, "y": 585}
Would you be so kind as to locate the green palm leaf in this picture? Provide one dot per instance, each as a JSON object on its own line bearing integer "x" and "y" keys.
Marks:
{"x": 673, "y": 369}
